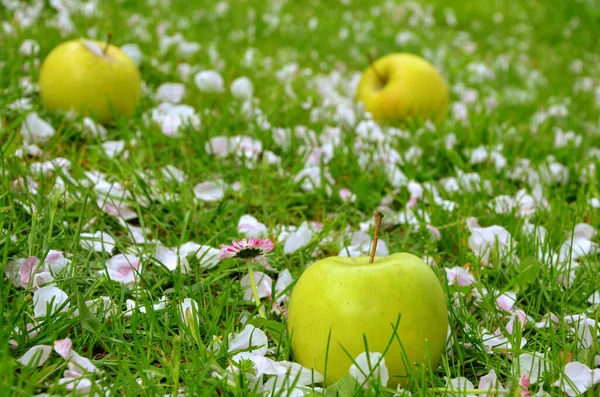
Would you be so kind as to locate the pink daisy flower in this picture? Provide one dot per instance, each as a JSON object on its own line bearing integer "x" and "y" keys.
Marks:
{"x": 251, "y": 248}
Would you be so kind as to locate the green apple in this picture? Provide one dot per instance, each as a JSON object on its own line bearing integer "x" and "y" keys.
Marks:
{"x": 402, "y": 86}
{"x": 351, "y": 297}
{"x": 91, "y": 78}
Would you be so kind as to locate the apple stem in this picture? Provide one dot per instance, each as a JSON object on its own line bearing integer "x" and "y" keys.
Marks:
{"x": 372, "y": 65}
{"x": 108, "y": 40}
{"x": 378, "y": 218}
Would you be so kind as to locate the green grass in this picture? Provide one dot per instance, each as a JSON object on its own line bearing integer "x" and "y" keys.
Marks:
{"x": 529, "y": 47}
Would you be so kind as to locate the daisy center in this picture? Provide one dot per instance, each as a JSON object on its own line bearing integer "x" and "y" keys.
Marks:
{"x": 248, "y": 253}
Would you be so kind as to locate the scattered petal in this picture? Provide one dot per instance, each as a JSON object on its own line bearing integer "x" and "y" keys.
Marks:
{"x": 298, "y": 239}
{"x": 250, "y": 338}
{"x": 506, "y": 301}
{"x": 249, "y": 226}
{"x": 263, "y": 285}
{"x": 51, "y": 298}
{"x": 36, "y": 130}
{"x": 170, "y": 92}
{"x": 123, "y": 269}
{"x": 577, "y": 378}
{"x": 242, "y": 88}
{"x": 459, "y": 276}
{"x": 188, "y": 311}
{"x": 370, "y": 369}
{"x": 98, "y": 241}
{"x": 210, "y": 191}
{"x": 36, "y": 356}
{"x": 534, "y": 365}
{"x": 209, "y": 81}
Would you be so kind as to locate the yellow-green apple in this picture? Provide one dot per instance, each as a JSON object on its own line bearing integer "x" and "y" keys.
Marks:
{"x": 403, "y": 86}
{"x": 338, "y": 299}
{"x": 91, "y": 78}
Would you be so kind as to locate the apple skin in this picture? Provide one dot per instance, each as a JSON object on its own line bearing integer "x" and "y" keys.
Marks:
{"x": 353, "y": 297}
{"x": 413, "y": 89}
{"x": 73, "y": 77}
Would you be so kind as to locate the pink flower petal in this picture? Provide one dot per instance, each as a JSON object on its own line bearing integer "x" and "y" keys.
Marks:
{"x": 64, "y": 348}
{"x": 506, "y": 301}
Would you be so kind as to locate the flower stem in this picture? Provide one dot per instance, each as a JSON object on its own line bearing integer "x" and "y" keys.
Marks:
{"x": 255, "y": 290}
{"x": 378, "y": 218}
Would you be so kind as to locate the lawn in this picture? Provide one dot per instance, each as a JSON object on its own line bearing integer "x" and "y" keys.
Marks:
{"x": 110, "y": 236}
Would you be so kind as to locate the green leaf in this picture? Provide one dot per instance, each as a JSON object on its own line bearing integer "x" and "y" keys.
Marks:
{"x": 345, "y": 387}
{"x": 528, "y": 271}
{"x": 269, "y": 325}
{"x": 87, "y": 319}
{"x": 455, "y": 159}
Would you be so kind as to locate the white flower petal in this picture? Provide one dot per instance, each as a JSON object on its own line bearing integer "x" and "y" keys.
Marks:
{"x": 209, "y": 257}
{"x": 210, "y": 191}
{"x": 312, "y": 178}
{"x": 302, "y": 376}
{"x": 188, "y": 310}
{"x": 113, "y": 148}
{"x": 98, "y": 241}
{"x": 134, "y": 52}
{"x": 64, "y": 348}
{"x": 219, "y": 146}
{"x": 80, "y": 364}
{"x": 459, "y": 276}
{"x": 46, "y": 296}
{"x": 263, "y": 285}
{"x": 170, "y": 259}
{"x": 170, "y": 92}
{"x": 123, "y": 268}
{"x": 262, "y": 365}
{"x": 372, "y": 368}
{"x": 173, "y": 174}
{"x": 460, "y": 383}
{"x": 490, "y": 381}
{"x": 298, "y": 239}
{"x": 36, "y": 130}
{"x": 29, "y": 48}
{"x": 587, "y": 332}
{"x": 93, "y": 47}
{"x": 242, "y": 88}
{"x": 56, "y": 262}
{"x": 577, "y": 379}
{"x": 534, "y": 365}
{"x": 483, "y": 240}
{"x": 249, "y": 226}
{"x": 577, "y": 248}
{"x": 37, "y": 355}
{"x": 209, "y": 81}
{"x": 249, "y": 337}
{"x": 347, "y": 196}
{"x": 284, "y": 280}
{"x": 282, "y": 385}
{"x": 172, "y": 117}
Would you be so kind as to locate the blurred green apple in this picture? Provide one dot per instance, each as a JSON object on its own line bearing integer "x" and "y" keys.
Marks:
{"x": 402, "y": 86}
{"x": 91, "y": 78}
{"x": 351, "y": 297}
